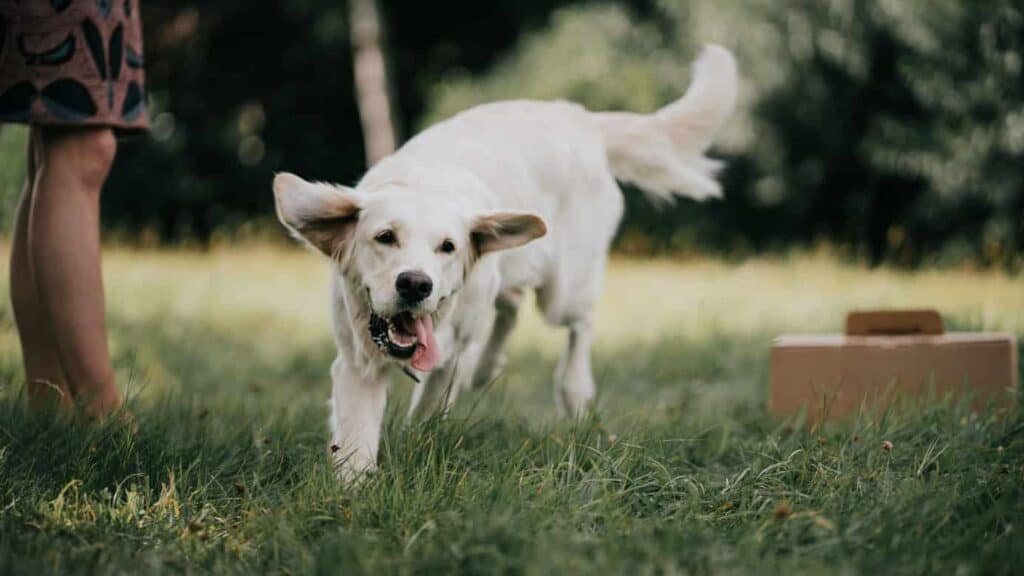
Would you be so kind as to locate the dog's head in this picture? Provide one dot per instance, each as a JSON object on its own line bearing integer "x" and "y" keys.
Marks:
{"x": 405, "y": 255}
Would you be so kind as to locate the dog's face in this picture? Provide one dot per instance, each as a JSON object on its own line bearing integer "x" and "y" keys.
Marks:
{"x": 406, "y": 254}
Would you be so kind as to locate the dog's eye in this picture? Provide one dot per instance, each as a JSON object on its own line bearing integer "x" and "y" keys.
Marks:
{"x": 447, "y": 247}
{"x": 386, "y": 237}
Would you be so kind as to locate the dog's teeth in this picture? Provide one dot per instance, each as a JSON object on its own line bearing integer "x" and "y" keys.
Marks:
{"x": 400, "y": 338}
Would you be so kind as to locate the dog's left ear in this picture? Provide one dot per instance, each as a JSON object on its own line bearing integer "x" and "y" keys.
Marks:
{"x": 504, "y": 230}
{"x": 320, "y": 215}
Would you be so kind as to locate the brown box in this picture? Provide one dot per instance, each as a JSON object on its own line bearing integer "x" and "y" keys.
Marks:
{"x": 888, "y": 355}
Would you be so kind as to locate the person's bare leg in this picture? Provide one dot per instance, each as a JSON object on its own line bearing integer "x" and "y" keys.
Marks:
{"x": 45, "y": 381}
{"x": 64, "y": 246}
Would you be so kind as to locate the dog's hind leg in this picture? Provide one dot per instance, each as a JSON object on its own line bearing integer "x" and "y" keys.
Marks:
{"x": 574, "y": 378}
{"x": 435, "y": 393}
{"x": 492, "y": 359}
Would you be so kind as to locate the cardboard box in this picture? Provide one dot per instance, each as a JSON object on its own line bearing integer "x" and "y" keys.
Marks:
{"x": 885, "y": 356}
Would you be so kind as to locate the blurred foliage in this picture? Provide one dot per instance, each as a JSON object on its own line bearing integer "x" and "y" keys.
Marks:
{"x": 598, "y": 55}
{"x": 13, "y": 144}
{"x": 897, "y": 126}
{"x": 241, "y": 89}
{"x": 892, "y": 129}
{"x": 238, "y": 89}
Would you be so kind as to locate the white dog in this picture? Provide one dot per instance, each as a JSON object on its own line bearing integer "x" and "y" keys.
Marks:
{"x": 432, "y": 251}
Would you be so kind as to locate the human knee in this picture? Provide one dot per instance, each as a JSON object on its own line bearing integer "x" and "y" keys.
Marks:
{"x": 88, "y": 153}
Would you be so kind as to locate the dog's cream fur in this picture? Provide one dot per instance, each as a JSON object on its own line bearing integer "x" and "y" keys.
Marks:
{"x": 527, "y": 194}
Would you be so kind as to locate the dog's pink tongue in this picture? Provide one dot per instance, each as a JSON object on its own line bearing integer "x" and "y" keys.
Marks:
{"x": 427, "y": 353}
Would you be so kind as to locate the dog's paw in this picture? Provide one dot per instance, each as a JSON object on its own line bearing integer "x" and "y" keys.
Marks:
{"x": 352, "y": 467}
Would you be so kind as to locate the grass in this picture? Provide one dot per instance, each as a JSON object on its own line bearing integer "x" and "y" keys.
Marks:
{"x": 681, "y": 470}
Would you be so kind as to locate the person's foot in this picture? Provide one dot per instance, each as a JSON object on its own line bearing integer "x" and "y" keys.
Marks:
{"x": 100, "y": 403}
{"x": 46, "y": 395}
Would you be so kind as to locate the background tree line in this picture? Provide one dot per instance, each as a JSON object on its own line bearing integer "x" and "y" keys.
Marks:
{"x": 893, "y": 130}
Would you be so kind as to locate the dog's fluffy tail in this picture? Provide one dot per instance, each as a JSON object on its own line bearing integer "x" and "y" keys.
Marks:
{"x": 663, "y": 153}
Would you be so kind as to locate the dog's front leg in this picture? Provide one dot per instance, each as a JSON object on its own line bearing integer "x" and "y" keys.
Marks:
{"x": 358, "y": 399}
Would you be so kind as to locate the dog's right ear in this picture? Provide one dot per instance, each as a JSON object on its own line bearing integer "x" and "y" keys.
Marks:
{"x": 321, "y": 215}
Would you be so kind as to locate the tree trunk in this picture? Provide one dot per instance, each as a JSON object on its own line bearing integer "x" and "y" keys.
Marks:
{"x": 373, "y": 93}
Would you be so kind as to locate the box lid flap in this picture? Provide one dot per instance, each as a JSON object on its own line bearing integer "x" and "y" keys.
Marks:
{"x": 893, "y": 322}
{"x": 842, "y": 340}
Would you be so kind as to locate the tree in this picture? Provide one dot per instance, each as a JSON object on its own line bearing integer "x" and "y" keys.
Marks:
{"x": 373, "y": 89}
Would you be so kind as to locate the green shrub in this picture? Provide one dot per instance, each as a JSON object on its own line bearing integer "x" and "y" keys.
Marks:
{"x": 13, "y": 141}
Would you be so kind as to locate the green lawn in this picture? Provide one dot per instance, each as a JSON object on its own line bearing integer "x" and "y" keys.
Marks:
{"x": 681, "y": 470}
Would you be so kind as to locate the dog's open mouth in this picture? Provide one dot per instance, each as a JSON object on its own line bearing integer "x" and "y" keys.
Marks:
{"x": 406, "y": 337}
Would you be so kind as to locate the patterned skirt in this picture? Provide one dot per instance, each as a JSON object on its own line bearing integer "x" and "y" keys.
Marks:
{"x": 72, "y": 62}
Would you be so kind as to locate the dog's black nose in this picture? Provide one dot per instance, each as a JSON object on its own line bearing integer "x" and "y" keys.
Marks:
{"x": 413, "y": 287}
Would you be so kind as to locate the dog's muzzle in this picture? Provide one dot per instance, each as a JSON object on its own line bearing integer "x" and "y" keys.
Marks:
{"x": 394, "y": 336}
